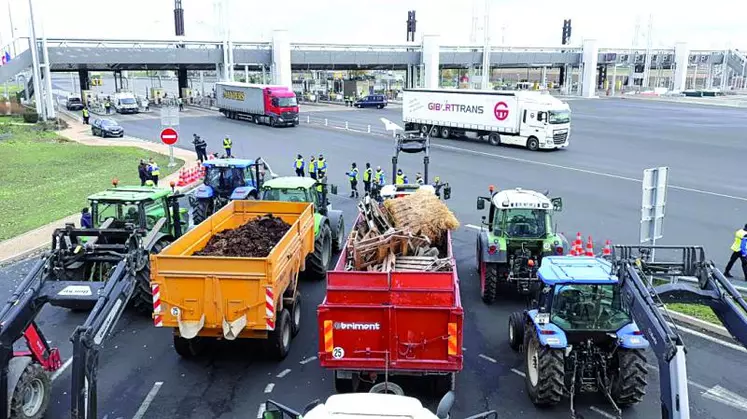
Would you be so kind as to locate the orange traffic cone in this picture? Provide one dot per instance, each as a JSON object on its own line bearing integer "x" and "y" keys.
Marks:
{"x": 182, "y": 178}
{"x": 578, "y": 246}
{"x": 589, "y": 248}
{"x": 607, "y": 251}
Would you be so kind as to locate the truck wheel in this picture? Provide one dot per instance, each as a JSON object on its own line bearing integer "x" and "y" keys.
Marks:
{"x": 533, "y": 144}
{"x": 189, "y": 348}
{"x": 296, "y": 316}
{"x": 545, "y": 371}
{"x": 142, "y": 297}
{"x": 494, "y": 139}
{"x": 340, "y": 238}
{"x": 491, "y": 283}
{"x": 318, "y": 261}
{"x": 279, "y": 340}
{"x": 515, "y": 330}
{"x": 445, "y": 132}
{"x": 445, "y": 383}
{"x": 630, "y": 381}
{"x": 31, "y": 395}
{"x": 273, "y": 123}
{"x": 200, "y": 211}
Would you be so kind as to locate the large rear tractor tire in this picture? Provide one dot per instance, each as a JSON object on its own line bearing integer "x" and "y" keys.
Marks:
{"x": 32, "y": 393}
{"x": 317, "y": 262}
{"x": 200, "y": 211}
{"x": 491, "y": 283}
{"x": 629, "y": 383}
{"x": 516, "y": 330}
{"x": 142, "y": 297}
{"x": 545, "y": 371}
{"x": 279, "y": 340}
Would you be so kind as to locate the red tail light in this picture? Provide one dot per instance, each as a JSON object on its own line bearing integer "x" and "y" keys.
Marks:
{"x": 492, "y": 249}
{"x": 559, "y": 250}
{"x": 638, "y": 333}
{"x": 530, "y": 262}
{"x": 547, "y": 332}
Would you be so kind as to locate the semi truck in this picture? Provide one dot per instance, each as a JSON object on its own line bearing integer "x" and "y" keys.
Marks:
{"x": 205, "y": 298}
{"x": 259, "y": 103}
{"x": 529, "y": 119}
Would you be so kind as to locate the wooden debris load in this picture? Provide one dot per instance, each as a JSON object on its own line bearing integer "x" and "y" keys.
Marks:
{"x": 401, "y": 236}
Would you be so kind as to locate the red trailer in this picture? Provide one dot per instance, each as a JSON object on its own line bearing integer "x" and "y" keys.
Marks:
{"x": 374, "y": 325}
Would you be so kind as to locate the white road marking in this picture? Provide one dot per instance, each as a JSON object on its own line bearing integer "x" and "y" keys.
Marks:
{"x": 283, "y": 373}
{"x": 148, "y": 400}
{"x": 260, "y": 410}
{"x": 726, "y": 397}
{"x": 474, "y": 227}
{"x": 307, "y": 360}
{"x": 517, "y": 372}
{"x": 710, "y": 338}
{"x": 269, "y": 387}
{"x": 62, "y": 369}
{"x": 579, "y": 170}
{"x": 602, "y": 412}
{"x": 485, "y": 357}
{"x": 463, "y": 349}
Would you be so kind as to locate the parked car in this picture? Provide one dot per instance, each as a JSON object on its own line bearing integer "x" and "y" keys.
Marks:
{"x": 74, "y": 103}
{"x": 106, "y": 128}
{"x": 371, "y": 101}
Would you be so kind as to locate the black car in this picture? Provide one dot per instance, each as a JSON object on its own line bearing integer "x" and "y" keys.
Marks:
{"x": 74, "y": 104}
{"x": 106, "y": 128}
{"x": 371, "y": 101}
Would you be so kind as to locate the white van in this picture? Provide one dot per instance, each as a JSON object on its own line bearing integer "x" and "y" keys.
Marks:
{"x": 125, "y": 102}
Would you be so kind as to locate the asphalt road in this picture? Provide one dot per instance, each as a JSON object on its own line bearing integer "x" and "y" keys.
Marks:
{"x": 612, "y": 141}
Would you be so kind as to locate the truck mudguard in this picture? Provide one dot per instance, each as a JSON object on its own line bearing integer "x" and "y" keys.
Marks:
{"x": 629, "y": 339}
{"x": 242, "y": 192}
{"x": 334, "y": 218}
{"x": 498, "y": 257}
{"x": 204, "y": 192}
{"x": 556, "y": 339}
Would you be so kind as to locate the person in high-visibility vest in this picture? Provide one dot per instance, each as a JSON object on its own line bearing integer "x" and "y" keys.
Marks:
{"x": 419, "y": 179}
{"x": 86, "y": 115}
{"x": 321, "y": 164}
{"x": 227, "y": 144}
{"x": 737, "y": 252}
{"x": 380, "y": 177}
{"x": 153, "y": 171}
{"x": 353, "y": 178}
{"x": 299, "y": 165}
{"x": 322, "y": 179}
{"x": 312, "y": 167}
{"x": 400, "y": 179}
{"x": 367, "y": 175}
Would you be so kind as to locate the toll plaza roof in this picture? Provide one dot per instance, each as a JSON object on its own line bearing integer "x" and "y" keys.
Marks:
{"x": 129, "y": 194}
{"x": 240, "y": 163}
{"x": 575, "y": 269}
{"x": 289, "y": 182}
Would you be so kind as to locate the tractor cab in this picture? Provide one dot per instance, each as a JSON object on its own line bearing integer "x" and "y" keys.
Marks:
{"x": 138, "y": 205}
{"x": 298, "y": 189}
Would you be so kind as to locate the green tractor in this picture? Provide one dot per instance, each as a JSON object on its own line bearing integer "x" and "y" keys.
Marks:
{"x": 129, "y": 220}
{"x": 517, "y": 233}
{"x": 329, "y": 226}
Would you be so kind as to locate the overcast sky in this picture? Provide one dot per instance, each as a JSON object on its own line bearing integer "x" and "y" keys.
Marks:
{"x": 515, "y": 22}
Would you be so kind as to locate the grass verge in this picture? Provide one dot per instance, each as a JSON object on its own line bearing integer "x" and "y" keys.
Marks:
{"x": 46, "y": 177}
{"x": 695, "y": 310}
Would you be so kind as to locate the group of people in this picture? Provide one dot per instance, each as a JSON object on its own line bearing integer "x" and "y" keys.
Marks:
{"x": 201, "y": 147}
{"x": 148, "y": 172}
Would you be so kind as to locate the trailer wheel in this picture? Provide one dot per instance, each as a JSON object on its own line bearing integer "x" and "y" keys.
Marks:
{"x": 142, "y": 297}
{"x": 296, "y": 316}
{"x": 31, "y": 395}
{"x": 515, "y": 330}
{"x": 318, "y": 261}
{"x": 491, "y": 283}
{"x": 445, "y": 132}
{"x": 533, "y": 144}
{"x": 545, "y": 371}
{"x": 494, "y": 138}
{"x": 387, "y": 388}
{"x": 630, "y": 381}
{"x": 279, "y": 340}
{"x": 189, "y": 348}
{"x": 340, "y": 238}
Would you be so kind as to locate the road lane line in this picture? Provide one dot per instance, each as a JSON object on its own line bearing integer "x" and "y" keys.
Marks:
{"x": 474, "y": 227}
{"x": 485, "y": 357}
{"x": 722, "y": 395}
{"x": 307, "y": 360}
{"x": 269, "y": 387}
{"x": 260, "y": 411}
{"x": 602, "y": 412}
{"x": 517, "y": 372}
{"x": 148, "y": 400}
{"x": 283, "y": 373}
{"x": 62, "y": 369}
{"x": 710, "y": 338}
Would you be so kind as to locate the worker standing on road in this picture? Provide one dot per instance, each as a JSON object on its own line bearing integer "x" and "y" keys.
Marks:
{"x": 322, "y": 183}
{"x": 86, "y": 115}
{"x": 200, "y": 148}
{"x": 367, "y": 175}
{"x": 107, "y": 105}
{"x": 353, "y": 177}
{"x": 419, "y": 179}
{"x": 380, "y": 178}
{"x": 154, "y": 171}
{"x": 736, "y": 252}
{"x": 299, "y": 165}
{"x": 142, "y": 171}
{"x": 180, "y": 103}
{"x": 321, "y": 164}
{"x": 227, "y": 144}
{"x": 85, "y": 219}
{"x": 312, "y": 167}
{"x": 400, "y": 179}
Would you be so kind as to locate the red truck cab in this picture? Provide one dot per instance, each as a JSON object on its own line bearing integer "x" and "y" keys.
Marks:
{"x": 281, "y": 105}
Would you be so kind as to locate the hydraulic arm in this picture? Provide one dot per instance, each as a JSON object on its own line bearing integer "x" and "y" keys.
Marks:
{"x": 409, "y": 143}
{"x": 647, "y": 286}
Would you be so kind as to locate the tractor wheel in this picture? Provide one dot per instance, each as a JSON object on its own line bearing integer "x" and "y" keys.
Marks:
{"x": 279, "y": 340}
{"x": 189, "y": 348}
{"x": 629, "y": 382}
{"x": 200, "y": 211}
{"x": 545, "y": 371}
{"x": 296, "y": 316}
{"x": 142, "y": 297}
{"x": 31, "y": 395}
{"x": 340, "y": 240}
{"x": 491, "y": 283}
{"x": 317, "y": 262}
{"x": 515, "y": 330}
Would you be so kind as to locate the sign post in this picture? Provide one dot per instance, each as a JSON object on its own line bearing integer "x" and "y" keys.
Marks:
{"x": 169, "y": 119}
{"x": 653, "y": 202}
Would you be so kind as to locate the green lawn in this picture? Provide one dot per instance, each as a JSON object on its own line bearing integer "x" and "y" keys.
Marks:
{"x": 46, "y": 177}
{"x": 697, "y": 311}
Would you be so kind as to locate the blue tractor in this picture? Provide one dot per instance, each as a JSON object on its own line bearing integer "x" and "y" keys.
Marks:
{"x": 226, "y": 180}
{"x": 578, "y": 335}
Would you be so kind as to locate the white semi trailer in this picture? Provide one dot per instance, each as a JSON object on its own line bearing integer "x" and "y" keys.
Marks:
{"x": 529, "y": 119}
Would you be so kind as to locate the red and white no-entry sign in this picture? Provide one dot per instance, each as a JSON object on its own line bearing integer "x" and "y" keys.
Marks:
{"x": 169, "y": 136}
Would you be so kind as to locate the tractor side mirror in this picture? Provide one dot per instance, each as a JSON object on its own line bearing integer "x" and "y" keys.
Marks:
{"x": 447, "y": 192}
{"x": 557, "y": 204}
{"x": 480, "y": 204}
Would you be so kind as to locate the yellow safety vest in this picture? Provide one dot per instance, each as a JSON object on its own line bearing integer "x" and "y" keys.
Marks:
{"x": 299, "y": 163}
{"x": 227, "y": 143}
{"x": 353, "y": 174}
{"x": 154, "y": 170}
{"x": 312, "y": 167}
{"x": 400, "y": 180}
{"x": 85, "y": 113}
{"x": 738, "y": 240}
{"x": 367, "y": 175}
